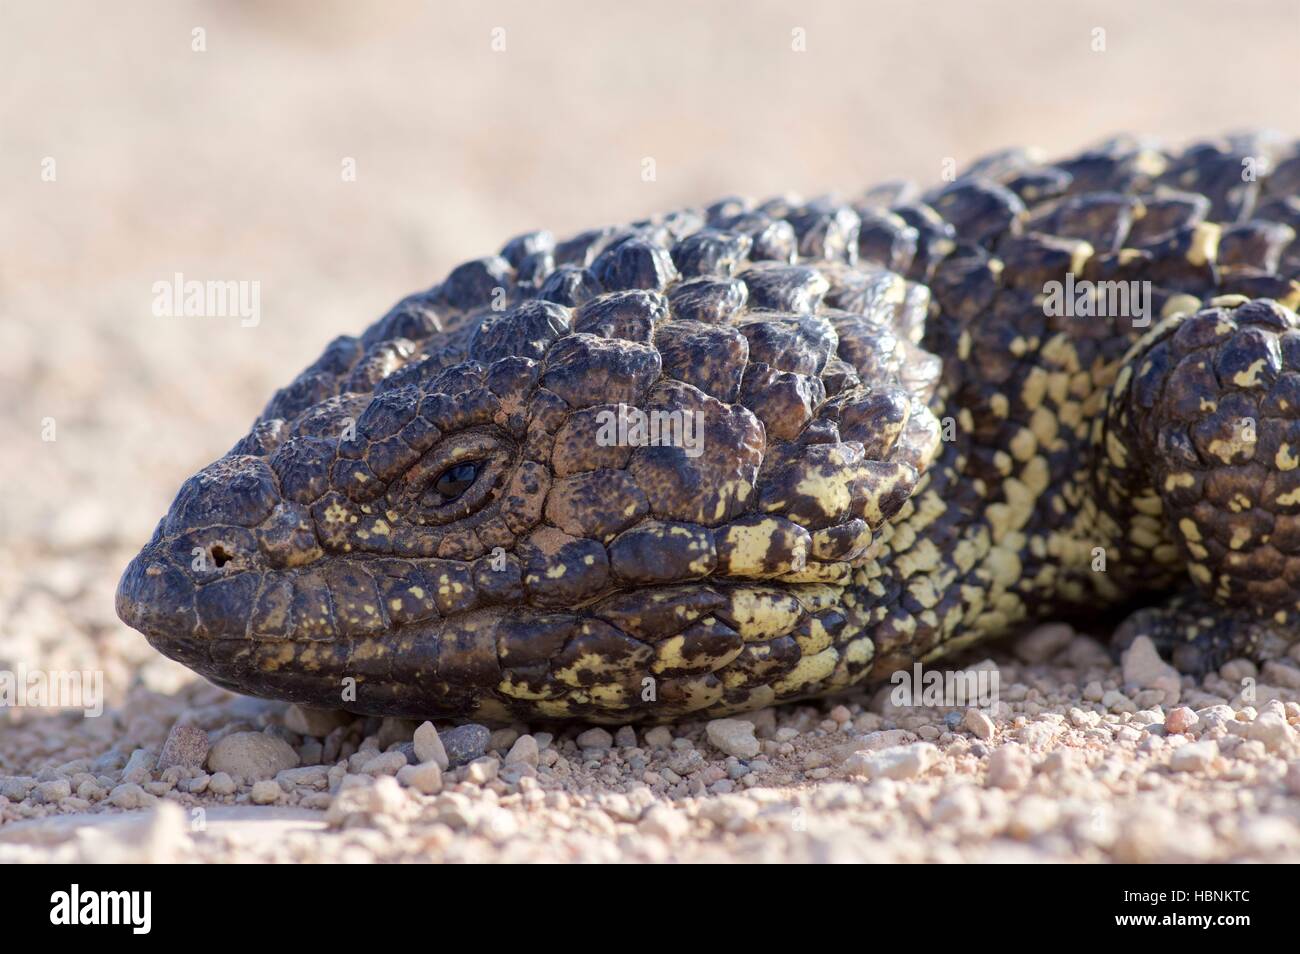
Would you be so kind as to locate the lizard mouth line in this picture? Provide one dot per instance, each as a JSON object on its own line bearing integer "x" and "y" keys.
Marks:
{"x": 689, "y": 641}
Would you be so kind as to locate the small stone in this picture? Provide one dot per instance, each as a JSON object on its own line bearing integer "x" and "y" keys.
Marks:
{"x": 186, "y": 745}
{"x": 425, "y": 777}
{"x": 1093, "y": 691}
{"x": 1282, "y": 674}
{"x": 978, "y": 724}
{"x": 625, "y": 737}
{"x": 316, "y": 723}
{"x": 1116, "y": 701}
{"x": 393, "y": 730}
{"x": 818, "y": 758}
{"x": 16, "y": 787}
{"x": 1059, "y": 762}
{"x": 310, "y": 776}
{"x": 596, "y": 738}
{"x": 1195, "y": 756}
{"x": 660, "y": 737}
{"x": 139, "y": 767}
{"x": 1009, "y": 768}
{"x": 357, "y": 760}
{"x": 252, "y": 755}
{"x": 1293, "y": 778}
{"x": 961, "y": 804}
{"x": 222, "y": 784}
{"x": 1237, "y": 671}
{"x": 885, "y": 739}
{"x": 130, "y": 795}
{"x": 464, "y": 743}
{"x": 1144, "y": 668}
{"x": 1081, "y": 719}
{"x": 1044, "y": 642}
{"x": 686, "y": 762}
{"x": 1275, "y": 706}
{"x": 332, "y": 746}
{"x": 266, "y": 792}
{"x": 1216, "y": 716}
{"x": 1149, "y": 717}
{"x": 482, "y": 770}
{"x": 733, "y": 814}
{"x": 663, "y": 821}
{"x": 388, "y": 763}
{"x": 498, "y": 825}
{"x": 1036, "y": 735}
{"x": 1084, "y": 651}
{"x": 1032, "y": 816}
{"x": 1148, "y": 834}
{"x": 382, "y": 797}
{"x": 733, "y": 737}
{"x": 1147, "y": 698}
{"x": 1272, "y": 730}
{"x": 840, "y": 715}
{"x": 429, "y": 747}
{"x": 501, "y": 739}
{"x": 92, "y": 791}
{"x": 1181, "y": 720}
{"x": 897, "y": 762}
{"x": 523, "y": 752}
{"x": 54, "y": 791}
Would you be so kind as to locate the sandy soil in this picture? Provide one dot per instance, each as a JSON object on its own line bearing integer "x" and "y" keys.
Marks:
{"x": 226, "y": 164}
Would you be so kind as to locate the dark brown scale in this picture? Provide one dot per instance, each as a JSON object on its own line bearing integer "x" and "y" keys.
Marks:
{"x": 711, "y": 253}
{"x": 935, "y": 238}
{"x": 663, "y": 552}
{"x": 569, "y": 285}
{"x": 1039, "y": 185}
{"x": 1257, "y": 245}
{"x": 887, "y": 240}
{"x": 708, "y": 357}
{"x": 1103, "y": 220}
{"x": 473, "y": 284}
{"x": 586, "y": 369}
{"x": 1165, "y": 212}
{"x": 826, "y": 232}
{"x": 979, "y": 212}
{"x": 634, "y": 263}
{"x": 709, "y": 300}
{"x": 1223, "y": 175}
{"x": 629, "y": 315}
{"x": 784, "y": 287}
{"x": 526, "y": 331}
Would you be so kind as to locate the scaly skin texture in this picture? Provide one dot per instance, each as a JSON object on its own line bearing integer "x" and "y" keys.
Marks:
{"x": 903, "y": 447}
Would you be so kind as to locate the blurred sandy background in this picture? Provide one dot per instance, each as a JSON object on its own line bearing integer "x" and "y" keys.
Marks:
{"x": 225, "y": 165}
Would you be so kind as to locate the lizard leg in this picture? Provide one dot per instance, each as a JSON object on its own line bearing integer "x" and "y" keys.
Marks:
{"x": 1198, "y": 635}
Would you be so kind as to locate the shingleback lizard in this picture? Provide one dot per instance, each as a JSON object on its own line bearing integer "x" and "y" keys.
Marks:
{"x": 724, "y": 458}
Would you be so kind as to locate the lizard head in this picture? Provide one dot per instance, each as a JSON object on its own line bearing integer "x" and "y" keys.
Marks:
{"x": 631, "y": 486}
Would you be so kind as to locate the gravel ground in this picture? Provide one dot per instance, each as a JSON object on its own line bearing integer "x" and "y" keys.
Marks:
{"x": 1079, "y": 760}
{"x": 225, "y": 165}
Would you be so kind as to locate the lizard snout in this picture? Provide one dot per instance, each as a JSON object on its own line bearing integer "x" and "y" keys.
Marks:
{"x": 157, "y": 599}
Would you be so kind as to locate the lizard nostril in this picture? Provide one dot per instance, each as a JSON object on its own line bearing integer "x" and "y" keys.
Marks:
{"x": 220, "y": 556}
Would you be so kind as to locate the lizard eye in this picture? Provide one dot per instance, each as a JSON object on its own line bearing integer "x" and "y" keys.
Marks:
{"x": 454, "y": 481}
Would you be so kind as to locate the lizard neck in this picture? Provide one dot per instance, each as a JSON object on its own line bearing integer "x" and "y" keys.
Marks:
{"x": 1023, "y": 513}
